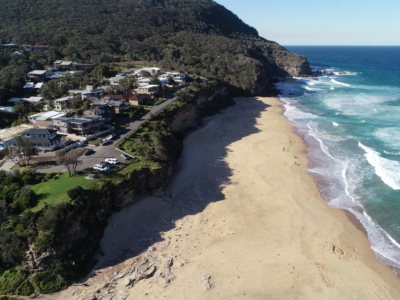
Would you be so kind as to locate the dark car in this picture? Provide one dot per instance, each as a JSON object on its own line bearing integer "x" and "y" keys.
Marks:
{"x": 88, "y": 152}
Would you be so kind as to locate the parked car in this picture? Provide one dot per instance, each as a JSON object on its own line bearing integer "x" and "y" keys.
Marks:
{"x": 111, "y": 136}
{"x": 82, "y": 143}
{"x": 88, "y": 152}
{"x": 101, "y": 168}
{"x": 105, "y": 142}
{"x": 120, "y": 131}
{"x": 112, "y": 161}
{"x": 123, "y": 155}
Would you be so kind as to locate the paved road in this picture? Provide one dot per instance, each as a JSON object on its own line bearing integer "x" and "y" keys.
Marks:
{"x": 103, "y": 152}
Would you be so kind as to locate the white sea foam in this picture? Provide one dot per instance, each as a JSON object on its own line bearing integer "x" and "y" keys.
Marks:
{"x": 338, "y": 82}
{"x": 332, "y": 88}
{"x": 387, "y": 170}
{"x": 335, "y": 124}
{"x": 389, "y": 136}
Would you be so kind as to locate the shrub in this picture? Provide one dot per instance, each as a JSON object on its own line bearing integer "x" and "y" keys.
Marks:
{"x": 24, "y": 289}
{"x": 58, "y": 276}
{"x": 12, "y": 279}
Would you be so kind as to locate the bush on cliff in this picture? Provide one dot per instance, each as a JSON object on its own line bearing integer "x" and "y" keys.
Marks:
{"x": 12, "y": 279}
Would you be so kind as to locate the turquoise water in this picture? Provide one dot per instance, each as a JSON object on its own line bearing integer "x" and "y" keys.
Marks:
{"x": 351, "y": 121}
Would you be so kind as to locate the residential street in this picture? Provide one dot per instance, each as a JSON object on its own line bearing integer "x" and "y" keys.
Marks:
{"x": 103, "y": 152}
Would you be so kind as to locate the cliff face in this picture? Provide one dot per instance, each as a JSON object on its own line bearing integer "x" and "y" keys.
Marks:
{"x": 80, "y": 233}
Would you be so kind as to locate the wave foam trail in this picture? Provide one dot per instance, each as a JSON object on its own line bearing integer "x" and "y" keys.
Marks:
{"x": 387, "y": 170}
{"x": 338, "y": 82}
{"x": 335, "y": 124}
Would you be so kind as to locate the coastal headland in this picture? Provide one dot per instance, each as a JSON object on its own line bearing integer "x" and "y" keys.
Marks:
{"x": 241, "y": 219}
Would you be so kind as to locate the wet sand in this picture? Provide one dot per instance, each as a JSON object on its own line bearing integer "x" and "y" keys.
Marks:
{"x": 241, "y": 219}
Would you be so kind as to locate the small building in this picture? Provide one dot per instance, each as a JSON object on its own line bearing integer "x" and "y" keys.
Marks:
{"x": 85, "y": 125}
{"x": 147, "y": 69}
{"x": 44, "y": 116}
{"x": 117, "y": 105}
{"x": 39, "y": 74}
{"x": 14, "y": 100}
{"x": 89, "y": 91}
{"x": 40, "y": 48}
{"x": 6, "y": 108}
{"x": 114, "y": 81}
{"x": 61, "y": 104}
{"x": 148, "y": 89}
{"x": 65, "y": 64}
{"x": 42, "y": 140}
{"x": 79, "y": 66}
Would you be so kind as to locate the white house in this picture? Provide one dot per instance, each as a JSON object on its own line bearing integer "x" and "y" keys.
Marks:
{"x": 114, "y": 81}
{"x": 40, "y": 74}
{"x": 45, "y": 116}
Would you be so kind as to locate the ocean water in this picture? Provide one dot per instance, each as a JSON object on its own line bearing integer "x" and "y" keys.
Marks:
{"x": 351, "y": 122}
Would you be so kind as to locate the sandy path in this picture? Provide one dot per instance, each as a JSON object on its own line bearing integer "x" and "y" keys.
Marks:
{"x": 243, "y": 221}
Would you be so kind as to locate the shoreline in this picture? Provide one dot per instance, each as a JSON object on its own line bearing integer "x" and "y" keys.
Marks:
{"x": 242, "y": 220}
{"x": 349, "y": 215}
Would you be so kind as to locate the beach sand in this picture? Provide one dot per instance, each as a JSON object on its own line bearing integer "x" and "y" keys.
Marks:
{"x": 242, "y": 219}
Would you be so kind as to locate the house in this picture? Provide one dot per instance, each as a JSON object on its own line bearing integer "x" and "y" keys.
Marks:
{"x": 6, "y": 108}
{"x": 61, "y": 104}
{"x": 39, "y": 74}
{"x": 30, "y": 99}
{"x": 14, "y": 100}
{"x": 34, "y": 99}
{"x": 41, "y": 139}
{"x": 119, "y": 106}
{"x": 105, "y": 111}
{"x": 40, "y": 48}
{"x": 114, "y": 97}
{"x": 148, "y": 89}
{"x": 65, "y": 64}
{"x": 89, "y": 91}
{"x": 140, "y": 99}
{"x": 32, "y": 85}
{"x": 150, "y": 70}
{"x": 10, "y": 46}
{"x": 114, "y": 81}
{"x": 84, "y": 125}
{"x": 40, "y": 119}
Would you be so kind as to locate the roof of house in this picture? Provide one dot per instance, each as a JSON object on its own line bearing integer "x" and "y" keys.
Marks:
{"x": 14, "y": 100}
{"x": 37, "y": 72}
{"x": 79, "y": 120}
{"x": 34, "y": 99}
{"x": 63, "y": 119}
{"x": 41, "y": 131}
{"x": 29, "y": 85}
{"x": 46, "y": 115}
{"x": 64, "y": 99}
{"x": 6, "y": 108}
{"x": 117, "y": 97}
{"x": 66, "y": 63}
{"x": 91, "y": 117}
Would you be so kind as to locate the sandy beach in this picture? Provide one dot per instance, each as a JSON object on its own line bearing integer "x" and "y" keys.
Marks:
{"x": 241, "y": 219}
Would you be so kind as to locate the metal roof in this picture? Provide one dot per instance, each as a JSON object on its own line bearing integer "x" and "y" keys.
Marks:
{"x": 37, "y": 72}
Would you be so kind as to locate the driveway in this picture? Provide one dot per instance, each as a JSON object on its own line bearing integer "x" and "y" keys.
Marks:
{"x": 110, "y": 150}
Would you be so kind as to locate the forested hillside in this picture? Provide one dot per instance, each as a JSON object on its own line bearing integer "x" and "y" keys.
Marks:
{"x": 198, "y": 36}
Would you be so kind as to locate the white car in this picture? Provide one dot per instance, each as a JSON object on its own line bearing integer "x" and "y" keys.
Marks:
{"x": 105, "y": 142}
{"x": 111, "y": 136}
{"x": 113, "y": 161}
{"x": 101, "y": 168}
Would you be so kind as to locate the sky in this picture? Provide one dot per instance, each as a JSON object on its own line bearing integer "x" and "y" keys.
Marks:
{"x": 322, "y": 22}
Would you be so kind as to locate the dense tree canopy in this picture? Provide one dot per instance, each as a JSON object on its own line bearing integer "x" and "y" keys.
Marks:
{"x": 200, "y": 36}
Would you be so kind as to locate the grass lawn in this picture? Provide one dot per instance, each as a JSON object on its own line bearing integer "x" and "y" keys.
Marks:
{"x": 54, "y": 191}
{"x": 98, "y": 140}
